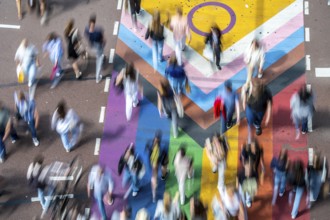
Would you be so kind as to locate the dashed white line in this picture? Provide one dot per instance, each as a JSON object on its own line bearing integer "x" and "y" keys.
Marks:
{"x": 97, "y": 146}
{"x": 107, "y": 84}
{"x": 308, "y": 62}
{"x": 310, "y": 156}
{"x": 322, "y": 72}
{"x": 112, "y": 55}
{"x": 102, "y": 114}
{"x": 10, "y": 26}
{"x": 61, "y": 178}
{"x": 119, "y": 5}
{"x": 307, "y": 35}
{"x": 115, "y": 28}
{"x": 36, "y": 199}
{"x": 306, "y": 7}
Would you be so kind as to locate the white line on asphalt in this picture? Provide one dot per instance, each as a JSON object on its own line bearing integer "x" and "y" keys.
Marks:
{"x": 36, "y": 199}
{"x": 310, "y": 156}
{"x": 115, "y": 28}
{"x": 119, "y": 5}
{"x": 307, "y": 35}
{"x": 102, "y": 114}
{"x": 97, "y": 146}
{"x": 322, "y": 72}
{"x": 10, "y": 26}
{"x": 306, "y": 7}
{"x": 61, "y": 178}
{"x": 107, "y": 84}
{"x": 112, "y": 55}
{"x": 308, "y": 62}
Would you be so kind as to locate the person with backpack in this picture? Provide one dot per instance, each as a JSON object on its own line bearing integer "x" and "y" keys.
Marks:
{"x": 102, "y": 184}
{"x": 26, "y": 110}
{"x": 67, "y": 123}
{"x": 176, "y": 75}
{"x": 168, "y": 208}
{"x": 95, "y": 37}
{"x": 214, "y": 39}
{"x": 6, "y": 129}
{"x": 73, "y": 39}
{"x": 156, "y": 32}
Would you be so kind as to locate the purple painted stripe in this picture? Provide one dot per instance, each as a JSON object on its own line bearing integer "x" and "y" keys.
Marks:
{"x": 117, "y": 134}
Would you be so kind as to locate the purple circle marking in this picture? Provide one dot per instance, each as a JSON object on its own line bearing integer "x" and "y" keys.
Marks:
{"x": 226, "y": 7}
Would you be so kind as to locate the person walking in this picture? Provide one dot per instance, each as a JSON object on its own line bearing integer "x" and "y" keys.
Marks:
{"x": 256, "y": 101}
{"x": 302, "y": 108}
{"x": 231, "y": 104}
{"x": 156, "y": 33}
{"x": 73, "y": 40}
{"x": 134, "y": 7}
{"x": 254, "y": 57}
{"x": 168, "y": 209}
{"x": 280, "y": 167}
{"x": 129, "y": 78}
{"x": 166, "y": 104}
{"x": 219, "y": 111}
{"x": 67, "y": 123}
{"x": 176, "y": 75}
{"x": 53, "y": 47}
{"x": 95, "y": 36}
{"x": 214, "y": 39}
{"x": 183, "y": 167}
{"x": 31, "y": 4}
{"x": 102, "y": 184}
{"x": 27, "y": 111}
{"x": 6, "y": 129}
{"x": 26, "y": 58}
{"x": 179, "y": 26}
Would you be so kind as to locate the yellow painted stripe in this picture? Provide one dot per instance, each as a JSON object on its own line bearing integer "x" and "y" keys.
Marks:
{"x": 209, "y": 180}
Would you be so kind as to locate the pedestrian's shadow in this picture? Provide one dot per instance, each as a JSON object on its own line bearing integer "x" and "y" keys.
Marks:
{"x": 56, "y": 7}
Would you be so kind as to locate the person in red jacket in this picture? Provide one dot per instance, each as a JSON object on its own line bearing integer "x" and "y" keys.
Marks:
{"x": 219, "y": 111}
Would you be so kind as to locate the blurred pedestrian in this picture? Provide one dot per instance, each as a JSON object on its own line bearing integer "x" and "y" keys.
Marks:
{"x": 256, "y": 101}
{"x": 183, "y": 166}
{"x": 134, "y": 7}
{"x": 298, "y": 180}
{"x": 102, "y": 184}
{"x": 214, "y": 39}
{"x": 26, "y": 110}
{"x": 176, "y": 75}
{"x": 167, "y": 106}
{"x": 158, "y": 157}
{"x": 67, "y": 123}
{"x": 231, "y": 104}
{"x": 53, "y": 47}
{"x": 156, "y": 32}
{"x": 142, "y": 214}
{"x": 30, "y": 5}
{"x": 73, "y": 39}
{"x": 198, "y": 211}
{"x": 254, "y": 58}
{"x": 216, "y": 150}
{"x": 129, "y": 78}
{"x": 168, "y": 209}
{"x": 26, "y": 58}
{"x": 95, "y": 36}
{"x": 179, "y": 26}
{"x": 219, "y": 111}
{"x": 280, "y": 167}
{"x": 6, "y": 129}
{"x": 302, "y": 108}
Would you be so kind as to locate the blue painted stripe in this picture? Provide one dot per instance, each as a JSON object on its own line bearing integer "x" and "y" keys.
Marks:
{"x": 149, "y": 122}
{"x": 205, "y": 101}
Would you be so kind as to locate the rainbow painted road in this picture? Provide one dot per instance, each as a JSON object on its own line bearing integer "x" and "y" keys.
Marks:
{"x": 279, "y": 24}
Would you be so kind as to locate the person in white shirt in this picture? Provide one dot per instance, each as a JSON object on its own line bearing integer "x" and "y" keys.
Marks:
{"x": 101, "y": 182}
{"x": 183, "y": 167}
{"x": 254, "y": 57}
{"x": 168, "y": 209}
{"x": 66, "y": 123}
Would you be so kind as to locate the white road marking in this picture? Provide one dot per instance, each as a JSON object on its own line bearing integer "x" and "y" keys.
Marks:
{"x": 112, "y": 55}
{"x": 10, "y": 26}
{"x": 115, "y": 28}
{"x": 119, "y": 5}
{"x": 322, "y": 72}
{"x": 97, "y": 146}
{"x": 308, "y": 62}
{"x": 61, "y": 178}
{"x": 307, "y": 35}
{"x": 310, "y": 156}
{"x": 36, "y": 199}
{"x": 306, "y": 7}
{"x": 102, "y": 114}
{"x": 107, "y": 84}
